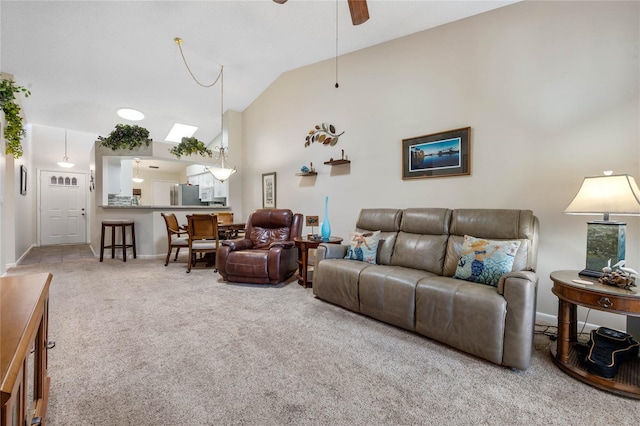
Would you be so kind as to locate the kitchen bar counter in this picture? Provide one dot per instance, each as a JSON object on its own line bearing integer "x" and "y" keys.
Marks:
{"x": 220, "y": 208}
{"x": 151, "y": 231}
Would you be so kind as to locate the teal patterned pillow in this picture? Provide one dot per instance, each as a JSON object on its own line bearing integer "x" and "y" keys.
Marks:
{"x": 363, "y": 246}
{"x": 485, "y": 261}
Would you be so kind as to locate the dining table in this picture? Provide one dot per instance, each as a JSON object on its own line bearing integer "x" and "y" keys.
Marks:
{"x": 226, "y": 231}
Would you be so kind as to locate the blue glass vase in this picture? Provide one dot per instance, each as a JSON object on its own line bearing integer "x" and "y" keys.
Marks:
{"x": 326, "y": 226}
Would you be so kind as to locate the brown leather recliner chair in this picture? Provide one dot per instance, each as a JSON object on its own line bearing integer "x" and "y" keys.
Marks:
{"x": 267, "y": 254}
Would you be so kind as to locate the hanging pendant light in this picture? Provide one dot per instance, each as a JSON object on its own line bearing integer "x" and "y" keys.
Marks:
{"x": 65, "y": 160}
{"x": 137, "y": 178}
{"x": 220, "y": 170}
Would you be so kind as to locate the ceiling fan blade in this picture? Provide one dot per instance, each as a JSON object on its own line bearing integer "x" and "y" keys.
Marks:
{"x": 280, "y": 1}
{"x": 359, "y": 11}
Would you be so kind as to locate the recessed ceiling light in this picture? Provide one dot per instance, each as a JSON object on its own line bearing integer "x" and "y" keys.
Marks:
{"x": 130, "y": 114}
{"x": 179, "y": 131}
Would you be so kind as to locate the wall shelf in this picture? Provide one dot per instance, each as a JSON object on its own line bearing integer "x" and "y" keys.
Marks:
{"x": 336, "y": 162}
{"x": 333, "y": 162}
{"x": 310, "y": 171}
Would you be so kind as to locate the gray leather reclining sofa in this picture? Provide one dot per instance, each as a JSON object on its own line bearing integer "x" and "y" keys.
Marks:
{"x": 412, "y": 285}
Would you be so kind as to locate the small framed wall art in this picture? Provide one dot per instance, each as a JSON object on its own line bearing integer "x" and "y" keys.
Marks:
{"x": 437, "y": 155}
{"x": 269, "y": 190}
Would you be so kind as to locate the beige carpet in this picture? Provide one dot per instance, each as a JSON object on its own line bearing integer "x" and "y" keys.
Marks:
{"x": 138, "y": 343}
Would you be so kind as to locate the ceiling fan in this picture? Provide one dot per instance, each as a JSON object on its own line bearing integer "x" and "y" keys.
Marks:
{"x": 358, "y": 9}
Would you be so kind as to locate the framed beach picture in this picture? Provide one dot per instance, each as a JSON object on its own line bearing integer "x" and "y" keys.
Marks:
{"x": 437, "y": 155}
{"x": 269, "y": 190}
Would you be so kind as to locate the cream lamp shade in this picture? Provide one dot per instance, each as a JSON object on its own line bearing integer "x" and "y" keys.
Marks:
{"x": 605, "y": 195}
{"x": 614, "y": 194}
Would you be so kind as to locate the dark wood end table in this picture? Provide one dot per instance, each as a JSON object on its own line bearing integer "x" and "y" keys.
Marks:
{"x": 603, "y": 298}
{"x": 304, "y": 245}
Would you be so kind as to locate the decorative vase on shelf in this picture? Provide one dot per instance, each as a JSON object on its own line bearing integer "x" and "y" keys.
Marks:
{"x": 326, "y": 226}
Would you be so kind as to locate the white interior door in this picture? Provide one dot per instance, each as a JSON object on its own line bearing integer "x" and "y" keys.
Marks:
{"x": 63, "y": 210}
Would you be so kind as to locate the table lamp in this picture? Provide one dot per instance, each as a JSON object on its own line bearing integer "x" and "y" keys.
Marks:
{"x": 607, "y": 195}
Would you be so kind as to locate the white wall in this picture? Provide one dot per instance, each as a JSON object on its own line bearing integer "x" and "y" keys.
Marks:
{"x": 3, "y": 179}
{"x": 19, "y": 211}
{"x": 49, "y": 144}
{"x": 25, "y": 205}
{"x": 550, "y": 90}
{"x": 43, "y": 148}
{"x": 146, "y": 187}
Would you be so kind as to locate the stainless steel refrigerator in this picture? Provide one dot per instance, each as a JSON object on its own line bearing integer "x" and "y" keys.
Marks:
{"x": 185, "y": 195}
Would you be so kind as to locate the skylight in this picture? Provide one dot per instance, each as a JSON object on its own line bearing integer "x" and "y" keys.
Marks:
{"x": 130, "y": 114}
{"x": 179, "y": 131}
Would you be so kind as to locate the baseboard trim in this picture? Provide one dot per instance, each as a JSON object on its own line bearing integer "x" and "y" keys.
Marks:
{"x": 18, "y": 261}
{"x": 130, "y": 256}
{"x": 547, "y": 319}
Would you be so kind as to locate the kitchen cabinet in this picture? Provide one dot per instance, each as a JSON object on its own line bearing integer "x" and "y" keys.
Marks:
{"x": 211, "y": 189}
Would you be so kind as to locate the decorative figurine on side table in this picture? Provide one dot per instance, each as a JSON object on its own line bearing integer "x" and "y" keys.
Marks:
{"x": 618, "y": 276}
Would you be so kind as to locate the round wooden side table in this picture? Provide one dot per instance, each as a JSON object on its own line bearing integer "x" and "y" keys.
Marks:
{"x": 304, "y": 245}
{"x": 594, "y": 295}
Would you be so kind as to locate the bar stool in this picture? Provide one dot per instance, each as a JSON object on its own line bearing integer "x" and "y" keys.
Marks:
{"x": 122, "y": 224}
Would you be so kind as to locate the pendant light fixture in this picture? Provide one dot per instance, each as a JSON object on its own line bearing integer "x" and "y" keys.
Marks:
{"x": 65, "y": 163}
{"x": 137, "y": 178}
{"x": 220, "y": 170}
{"x": 337, "y": 85}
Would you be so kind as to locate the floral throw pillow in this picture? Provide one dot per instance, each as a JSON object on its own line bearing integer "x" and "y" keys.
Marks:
{"x": 363, "y": 246}
{"x": 485, "y": 261}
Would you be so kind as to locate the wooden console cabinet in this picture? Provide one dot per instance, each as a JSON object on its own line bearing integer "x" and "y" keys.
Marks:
{"x": 24, "y": 318}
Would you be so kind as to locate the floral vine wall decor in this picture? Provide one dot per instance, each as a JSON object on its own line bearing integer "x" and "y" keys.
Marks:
{"x": 324, "y": 134}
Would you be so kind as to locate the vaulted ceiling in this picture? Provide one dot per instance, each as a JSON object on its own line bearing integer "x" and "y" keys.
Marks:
{"x": 84, "y": 60}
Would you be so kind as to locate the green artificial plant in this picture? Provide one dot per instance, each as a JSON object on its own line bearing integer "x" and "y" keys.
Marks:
{"x": 190, "y": 146}
{"x": 126, "y": 136}
{"x": 14, "y": 131}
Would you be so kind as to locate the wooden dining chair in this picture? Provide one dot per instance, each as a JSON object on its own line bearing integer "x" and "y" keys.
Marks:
{"x": 225, "y": 218}
{"x": 203, "y": 238}
{"x": 175, "y": 239}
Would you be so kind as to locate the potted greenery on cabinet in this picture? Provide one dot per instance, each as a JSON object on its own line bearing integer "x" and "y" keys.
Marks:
{"x": 14, "y": 130}
{"x": 126, "y": 137}
{"x": 189, "y": 146}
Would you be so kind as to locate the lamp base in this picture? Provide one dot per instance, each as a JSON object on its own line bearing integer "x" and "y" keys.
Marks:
{"x": 605, "y": 245}
{"x": 590, "y": 273}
